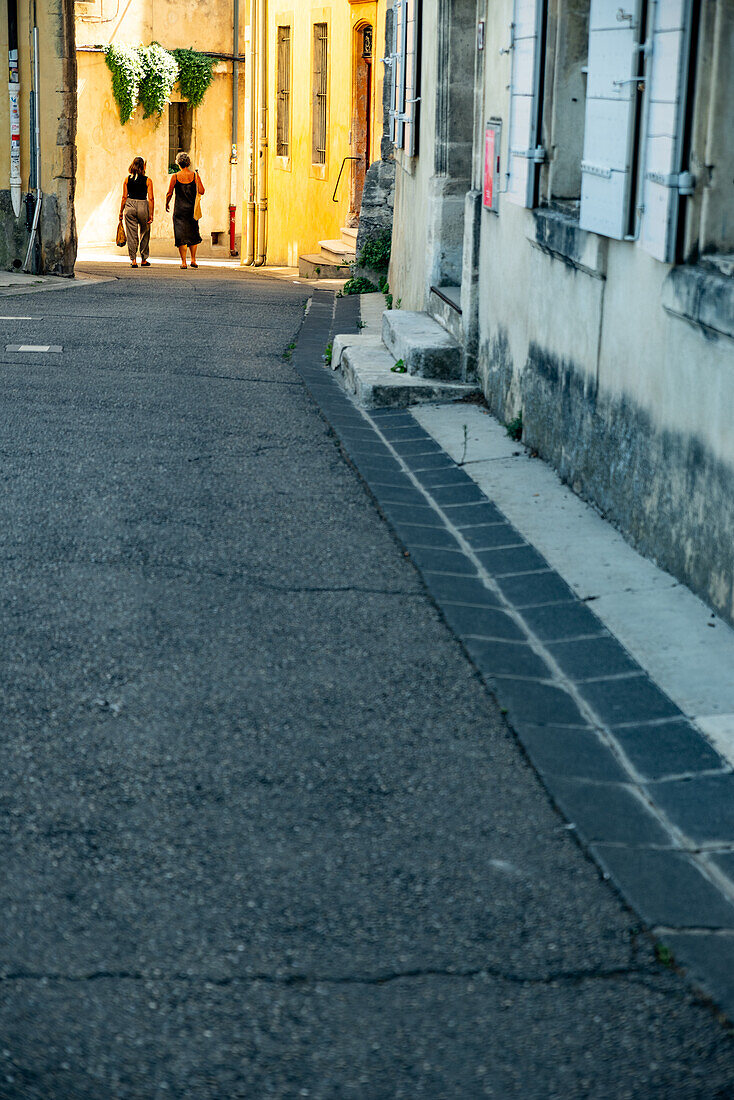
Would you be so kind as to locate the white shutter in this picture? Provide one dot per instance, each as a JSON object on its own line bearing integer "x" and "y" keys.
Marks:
{"x": 524, "y": 92}
{"x": 667, "y": 75}
{"x": 397, "y": 113}
{"x": 614, "y": 38}
{"x": 412, "y": 94}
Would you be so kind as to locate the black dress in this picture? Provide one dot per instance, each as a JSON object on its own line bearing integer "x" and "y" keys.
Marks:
{"x": 185, "y": 228}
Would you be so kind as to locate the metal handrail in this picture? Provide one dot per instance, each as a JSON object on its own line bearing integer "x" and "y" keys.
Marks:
{"x": 338, "y": 178}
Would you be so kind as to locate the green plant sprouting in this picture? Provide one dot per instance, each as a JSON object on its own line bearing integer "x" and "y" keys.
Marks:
{"x": 147, "y": 75}
{"x": 358, "y": 285}
{"x": 327, "y": 354}
{"x": 514, "y": 428}
{"x": 375, "y": 254}
{"x": 195, "y": 74}
{"x": 400, "y": 367}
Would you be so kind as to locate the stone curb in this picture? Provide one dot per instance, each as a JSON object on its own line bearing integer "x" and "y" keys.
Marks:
{"x": 647, "y": 795}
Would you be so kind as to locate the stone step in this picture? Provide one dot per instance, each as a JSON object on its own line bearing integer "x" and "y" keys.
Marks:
{"x": 427, "y": 350}
{"x": 316, "y": 265}
{"x": 365, "y": 371}
{"x": 444, "y": 306}
{"x": 338, "y": 251}
{"x": 349, "y": 236}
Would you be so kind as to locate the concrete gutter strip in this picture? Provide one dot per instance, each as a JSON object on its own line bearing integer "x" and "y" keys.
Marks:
{"x": 610, "y": 673}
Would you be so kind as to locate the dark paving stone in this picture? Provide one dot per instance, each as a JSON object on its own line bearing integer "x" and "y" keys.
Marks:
{"x": 666, "y": 888}
{"x": 411, "y": 513}
{"x": 530, "y": 589}
{"x": 504, "y": 658}
{"x": 416, "y": 446}
{"x": 373, "y": 465}
{"x": 631, "y": 699}
{"x": 403, "y": 431}
{"x": 459, "y": 590}
{"x": 395, "y": 478}
{"x": 725, "y": 862}
{"x": 708, "y": 959}
{"x": 668, "y": 748}
{"x": 593, "y": 657}
{"x": 563, "y": 620}
{"x": 436, "y": 461}
{"x": 538, "y": 704}
{"x": 444, "y": 475}
{"x": 442, "y": 561}
{"x": 516, "y": 559}
{"x": 448, "y": 495}
{"x": 397, "y": 494}
{"x": 573, "y": 753}
{"x": 469, "y": 515}
{"x": 488, "y": 535}
{"x": 393, "y": 416}
{"x": 414, "y": 535}
{"x": 484, "y": 622}
{"x": 607, "y": 812}
{"x": 702, "y": 807}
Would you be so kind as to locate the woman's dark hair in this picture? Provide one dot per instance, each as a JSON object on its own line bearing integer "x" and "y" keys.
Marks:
{"x": 183, "y": 160}
{"x": 137, "y": 168}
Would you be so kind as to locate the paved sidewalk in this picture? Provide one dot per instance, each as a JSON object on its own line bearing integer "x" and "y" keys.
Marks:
{"x": 616, "y": 679}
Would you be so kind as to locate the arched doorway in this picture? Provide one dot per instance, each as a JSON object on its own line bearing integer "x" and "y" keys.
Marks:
{"x": 363, "y": 86}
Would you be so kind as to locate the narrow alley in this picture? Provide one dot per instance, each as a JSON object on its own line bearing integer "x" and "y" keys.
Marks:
{"x": 265, "y": 832}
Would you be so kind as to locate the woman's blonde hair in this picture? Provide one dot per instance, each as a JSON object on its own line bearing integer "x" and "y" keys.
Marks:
{"x": 137, "y": 168}
{"x": 183, "y": 160}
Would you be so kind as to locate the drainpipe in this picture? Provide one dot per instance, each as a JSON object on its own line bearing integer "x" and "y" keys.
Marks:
{"x": 235, "y": 108}
{"x": 249, "y": 227}
{"x": 36, "y": 151}
{"x": 262, "y": 167}
{"x": 14, "y": 92}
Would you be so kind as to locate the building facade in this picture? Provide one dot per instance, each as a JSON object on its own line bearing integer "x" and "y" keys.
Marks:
{"x": 42, "y": 79}
{"x": 317, "y": 79}
{"x": 569, "y": 186}
{"x": 209, "y": 132}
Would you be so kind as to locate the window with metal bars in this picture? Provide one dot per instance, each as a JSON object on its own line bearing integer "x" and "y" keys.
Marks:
{"x": 283, "y": 107}
{"x": 180, "y": 126}
{"x": 320, "y": 85}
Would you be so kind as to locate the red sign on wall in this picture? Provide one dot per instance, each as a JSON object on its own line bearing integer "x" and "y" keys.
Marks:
{"x": 491, "y": 164}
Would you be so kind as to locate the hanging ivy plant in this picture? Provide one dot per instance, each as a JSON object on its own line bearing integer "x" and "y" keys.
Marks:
{"x": 195, "y": 74}
{"x": 127, "y": 71}
{"x": 147, "y": 75}
{"x": 160, "y": 73}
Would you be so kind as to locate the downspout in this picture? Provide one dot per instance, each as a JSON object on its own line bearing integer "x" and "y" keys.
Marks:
{"x": 235, "y": 110}
{"x": 262, "y": 166}
{"x": 36, "y": 151}
{"x": 14, "y": 92}
{"x": 251, "y": 91}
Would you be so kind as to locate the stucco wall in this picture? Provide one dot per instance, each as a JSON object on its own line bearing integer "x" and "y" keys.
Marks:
{"x": 301, "y": 210}
{"x": 105, "y": 148}
{"x": 632, "y": 405}
{"x": 58, "y": 127}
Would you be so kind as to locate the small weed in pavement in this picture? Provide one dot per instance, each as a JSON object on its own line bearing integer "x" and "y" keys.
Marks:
{"x": 327, "y": 354}
{"x": 399, "y": 368}
{"x": 664, "y": 955}
{"x": 514, "y": 428}
{"x": 289, "y": 350}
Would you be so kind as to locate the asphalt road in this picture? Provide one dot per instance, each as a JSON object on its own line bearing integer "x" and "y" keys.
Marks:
{"x": 263, "y": 832}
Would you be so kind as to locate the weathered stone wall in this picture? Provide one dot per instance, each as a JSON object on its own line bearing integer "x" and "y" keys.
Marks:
{"x": 56, "y": 250}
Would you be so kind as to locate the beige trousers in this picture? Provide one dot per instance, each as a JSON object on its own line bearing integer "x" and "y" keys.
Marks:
{"x": 136, "y": 220}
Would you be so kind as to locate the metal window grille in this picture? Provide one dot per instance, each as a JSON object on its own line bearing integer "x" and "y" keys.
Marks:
{"x": 320, "y": 85}
{"x": 284, "y": 92}
{"x": 180, "y": 127}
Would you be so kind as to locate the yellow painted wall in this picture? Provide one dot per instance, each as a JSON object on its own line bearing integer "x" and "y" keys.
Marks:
{"x": 301, "y": 211}
{"x": 105, "y": 148}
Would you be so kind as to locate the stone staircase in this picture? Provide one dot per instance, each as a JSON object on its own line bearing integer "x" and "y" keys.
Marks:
{"x": 333, "y": 261}
{"x": 429, "y": 361}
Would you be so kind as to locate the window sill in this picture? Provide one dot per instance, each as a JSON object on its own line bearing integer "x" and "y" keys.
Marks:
{"x": 559, "y": 236}
{"x": 283, "y": 164}
{"x": 702, "y": 295}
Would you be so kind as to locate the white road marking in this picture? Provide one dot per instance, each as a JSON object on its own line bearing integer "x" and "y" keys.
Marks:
{"x": 33, "y": 347}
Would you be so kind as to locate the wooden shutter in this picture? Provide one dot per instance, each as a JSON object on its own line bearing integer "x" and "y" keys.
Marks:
{"x": 667, "y": 76}
{"x": 611, "y": 96}
{"x": 524, "y": 100}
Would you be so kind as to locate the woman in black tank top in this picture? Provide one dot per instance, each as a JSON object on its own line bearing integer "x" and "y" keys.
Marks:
{"x": 137, "y": 210}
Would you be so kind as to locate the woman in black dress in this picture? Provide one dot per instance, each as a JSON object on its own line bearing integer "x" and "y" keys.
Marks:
{"x": 185, "y": 183}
